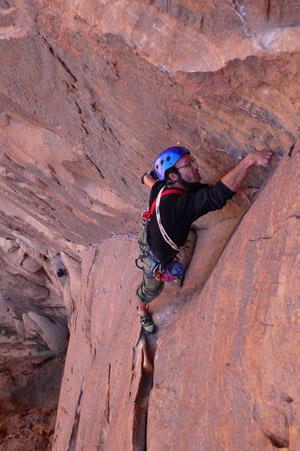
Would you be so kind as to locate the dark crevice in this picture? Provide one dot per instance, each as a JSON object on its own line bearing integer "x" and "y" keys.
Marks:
{"x": 53, "y": 173}
{"x": 146, "y": 345}
{"x": 260, "y": 238}
{"x": 63, "y": 64}
{"x": 124, "y": 181}
{"x": 268, "y": 9}
{"x": 44, "y": 362}
{"x": 114, "y": 136}
{"x": 291, "y": 149}
{"x": 108, "y": 395}
{"x": 278, "y": 442}
{"x": 95, "y": 166}
{"x": 73, "y": 438}
{"x": 78, "y": 108}
{"x": 92, "y": 265}
{"x": 287, "y": 398}
{"x": 85, "y": 129}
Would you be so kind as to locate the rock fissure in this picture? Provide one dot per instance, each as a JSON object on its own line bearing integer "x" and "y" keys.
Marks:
{"x": 227, "y": 312}
{"x": 59, "y": 59}
{"x": 91, "y": 268}
{"x": 268, "y": 9}
{"x": 144, "y": 353}
{"x": 263, "y": 323}
{"x": 277, "y": 441}
{"x": 118, "y": 85}
{"x": 294, "y": 216}
{"x": 261, "y": 238}
{"x": 292, "y": 149}
{"x": 276, "y": 231}
{"x": 265, "y": 237}
{"x": 108, "y": 395}
{"x": 95, "y": 166}
{"x": 73, "y": 437}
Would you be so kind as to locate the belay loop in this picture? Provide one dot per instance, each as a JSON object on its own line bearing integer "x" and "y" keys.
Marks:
{"x": 169, "y": 273}
{"x": 157, "y": 270}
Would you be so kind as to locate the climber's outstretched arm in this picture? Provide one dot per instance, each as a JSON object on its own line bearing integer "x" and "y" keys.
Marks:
{"x": 236, "y": 176}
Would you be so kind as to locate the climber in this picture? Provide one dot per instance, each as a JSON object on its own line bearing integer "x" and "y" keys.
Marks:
{"x": 177, "y": 199}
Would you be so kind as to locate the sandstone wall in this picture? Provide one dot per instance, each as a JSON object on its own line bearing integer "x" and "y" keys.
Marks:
{"x": 89, "y": 93}
{"x": 223, "y": 363}
{"x": 233, "y": 351}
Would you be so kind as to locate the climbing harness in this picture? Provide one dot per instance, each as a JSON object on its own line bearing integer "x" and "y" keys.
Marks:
{"x": 169, "y": 273}
{"x": 162, "y": 230}
{"x": 174, "y": 269}
{"x": 146, "y": 215}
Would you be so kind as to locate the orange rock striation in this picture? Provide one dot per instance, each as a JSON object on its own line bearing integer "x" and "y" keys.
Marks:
{"x": 90, "y": 92}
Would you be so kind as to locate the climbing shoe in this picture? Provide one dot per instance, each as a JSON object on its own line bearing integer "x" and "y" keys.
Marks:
{"x": 147, "y": 323}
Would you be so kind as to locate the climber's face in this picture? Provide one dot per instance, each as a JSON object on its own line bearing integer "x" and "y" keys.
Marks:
{"x": 188, "y": 169}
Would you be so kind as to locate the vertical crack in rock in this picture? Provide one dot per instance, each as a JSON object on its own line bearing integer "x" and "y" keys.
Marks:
{"x": 92, "y": 266}
{"x": 268, "y": 9}
{"x": 292, "y": 149}
{"x": 144, "y": 352}
{"x": 73, "y": 438}
{"x": 107, "y": 412}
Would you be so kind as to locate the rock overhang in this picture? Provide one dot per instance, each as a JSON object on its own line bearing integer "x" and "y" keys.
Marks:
{"x": 89, "y": 96}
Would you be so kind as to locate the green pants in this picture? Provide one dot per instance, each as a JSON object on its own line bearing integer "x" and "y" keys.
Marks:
{"x": 150, "y": 288}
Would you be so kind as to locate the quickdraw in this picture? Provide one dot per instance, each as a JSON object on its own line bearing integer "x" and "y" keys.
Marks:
{"x": 172, "y": 271}
{"x": 157, "y": 270}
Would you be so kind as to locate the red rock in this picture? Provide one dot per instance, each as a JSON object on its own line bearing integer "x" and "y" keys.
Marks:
{"x": 234, "y": 374}
{"x": 224, "y": 371}
{"x": 88, "y": 97}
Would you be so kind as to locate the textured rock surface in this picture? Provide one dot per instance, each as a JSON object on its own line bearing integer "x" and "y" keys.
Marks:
{"x": 235, "y": 343}
{"x": 225, "y": 373}
{"x": 30, "y": 383}
{"x": 89, "y": 93}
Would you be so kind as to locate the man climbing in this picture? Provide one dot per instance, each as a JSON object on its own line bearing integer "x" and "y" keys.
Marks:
{"x": 177, "y": 199}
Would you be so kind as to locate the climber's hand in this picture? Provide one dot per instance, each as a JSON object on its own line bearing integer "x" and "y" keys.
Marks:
{"x": 262, "y": 157}
{"x": 149, "y": 178}
{"x": 149, "y": 181}
{"x": 247, "y": 194}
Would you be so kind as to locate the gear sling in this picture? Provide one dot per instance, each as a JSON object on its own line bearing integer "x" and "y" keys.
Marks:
{"x": 174, "y": 269}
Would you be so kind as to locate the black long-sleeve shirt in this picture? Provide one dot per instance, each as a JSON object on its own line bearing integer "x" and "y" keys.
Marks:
{"x": 179, "y": 212}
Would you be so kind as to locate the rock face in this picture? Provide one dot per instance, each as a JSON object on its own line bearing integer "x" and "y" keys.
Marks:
{"x": 224, "y": 373}
{"x": 30, "y": 382}
{"x": 232, "y": 341}
{"x": 90, "y": 92}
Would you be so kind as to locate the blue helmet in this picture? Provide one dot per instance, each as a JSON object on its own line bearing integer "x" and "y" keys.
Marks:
{"x": 167, "y": 158}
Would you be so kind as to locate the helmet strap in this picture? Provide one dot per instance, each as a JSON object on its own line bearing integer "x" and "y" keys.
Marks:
{"x": 180, "y": 179}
